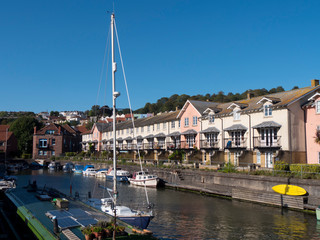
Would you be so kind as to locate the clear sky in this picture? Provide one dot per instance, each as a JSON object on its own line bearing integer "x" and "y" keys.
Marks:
{"x": 52, "y": 52}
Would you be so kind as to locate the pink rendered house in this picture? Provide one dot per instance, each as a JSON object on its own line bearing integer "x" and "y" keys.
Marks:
{"x": 190, "y": 122}
{"x": 312, "y": 114}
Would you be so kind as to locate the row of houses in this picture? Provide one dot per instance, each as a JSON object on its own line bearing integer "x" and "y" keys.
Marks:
{"x": 257, "y": 130}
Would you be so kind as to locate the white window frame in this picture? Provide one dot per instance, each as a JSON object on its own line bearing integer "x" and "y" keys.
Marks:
{"x": 194, "y": 121}
{"x": 43, "y": 142}
{"x": 164, "y": 126}
{"x": 267, "y": 110}
{"x": 158, "y": 126}
{"x": 211, "y": 118}
{"x": 236, "y": 114}
{"x": 186, "y": 122}
{"x": 317, "y": 103}
{"x": 173, "y": 124}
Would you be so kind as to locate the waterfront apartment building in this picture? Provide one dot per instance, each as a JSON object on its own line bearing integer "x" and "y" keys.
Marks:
{"x": 55, "y": 140}
{"x": 256, "y": 130}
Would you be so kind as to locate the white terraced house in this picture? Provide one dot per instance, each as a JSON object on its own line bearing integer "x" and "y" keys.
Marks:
{"x": 257, "y": 130}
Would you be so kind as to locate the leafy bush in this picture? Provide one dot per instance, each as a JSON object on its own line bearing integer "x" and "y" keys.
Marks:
{"x": 311, "y": 168}
{"x": 70, "y": 154}
{"x": 281, "y": 166}
{"x": 26, "y": 155}
{"x": 229, "y": 168}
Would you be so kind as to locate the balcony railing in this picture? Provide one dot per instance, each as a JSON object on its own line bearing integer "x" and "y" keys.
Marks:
{"x": 270, "y": 142}
{"x": 209, "y": 144}
{"x": 149, "y": 145}
{"x": 188, "y": 145}
{"x": 173, "y": 145}
{"x": 235, "y": 143}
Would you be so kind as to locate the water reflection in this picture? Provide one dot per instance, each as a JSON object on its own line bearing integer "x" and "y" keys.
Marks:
{"x": 181, "y": 215}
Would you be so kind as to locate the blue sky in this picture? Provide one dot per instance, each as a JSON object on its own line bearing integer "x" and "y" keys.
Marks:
{"x": 51, "y": 52}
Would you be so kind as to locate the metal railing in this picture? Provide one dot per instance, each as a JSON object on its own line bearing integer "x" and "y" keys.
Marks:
{"x": 233, "y": 143}
{"x": 259, "y": 142}
{"x": 209, "y": 144}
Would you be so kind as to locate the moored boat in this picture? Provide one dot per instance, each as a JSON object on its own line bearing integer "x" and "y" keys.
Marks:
{"x": 89, "y": 170}
{"x": 133, "y": 217}
{"x": 143, "y": 178}
{"x": 122, "y": 175}
{"x": 78, "y": 168}
{"x": 53, "y": 166}
{"x": 102, "y": 173}
{"x": 68, "y": 167}
{"x": 7, "y": 183}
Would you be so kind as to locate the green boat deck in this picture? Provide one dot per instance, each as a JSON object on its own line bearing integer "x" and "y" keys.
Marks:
{"x": 33, "y": 213}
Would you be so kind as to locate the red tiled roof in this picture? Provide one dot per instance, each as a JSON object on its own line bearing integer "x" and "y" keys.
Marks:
{"x": 82, "y": 129}
{"x": 4, "y": 128}
{"x": 4, "y": 136}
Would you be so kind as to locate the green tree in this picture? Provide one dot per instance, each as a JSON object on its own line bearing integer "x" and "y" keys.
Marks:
{"x": 54, "y": 113}
{"x": 89, "y": 125}
{"x": 95, "y": 111}
{"x": 23, "y": 128}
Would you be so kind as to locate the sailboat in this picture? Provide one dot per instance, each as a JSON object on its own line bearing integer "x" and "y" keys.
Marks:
{"x": 109, "y": 205}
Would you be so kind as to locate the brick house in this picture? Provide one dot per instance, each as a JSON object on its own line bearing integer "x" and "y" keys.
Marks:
{"x": 8, "y": 142}
{"x": 55, "y": 140}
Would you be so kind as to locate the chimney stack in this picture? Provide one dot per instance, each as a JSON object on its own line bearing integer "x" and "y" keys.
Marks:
{"x": 314, "y": 82}
{"x": 250, "y": 95}
{"x": 34, "y": 130}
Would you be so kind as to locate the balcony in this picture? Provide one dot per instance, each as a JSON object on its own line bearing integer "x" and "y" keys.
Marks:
{"x": 188, "y": 145}
{"x": 173, "y": 145}
{"x": 267, "y": 143}
{"x": 235, "y": 143}
{"x": 205, "y": 144}
{"x": 148, "y": 146}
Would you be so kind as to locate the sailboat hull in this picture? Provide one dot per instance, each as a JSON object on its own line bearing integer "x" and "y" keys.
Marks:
{"x": 119, "y": 178}
{"x": 138, "y": 221}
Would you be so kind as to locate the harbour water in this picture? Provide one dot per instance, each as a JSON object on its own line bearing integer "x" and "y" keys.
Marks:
{"x": 184, "y": 215}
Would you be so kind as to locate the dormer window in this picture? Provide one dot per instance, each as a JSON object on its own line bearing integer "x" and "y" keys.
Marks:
{"x": 267, "y": 110}
{"x": 236, "y": 114}
{"x": 318, "y": 106}
{"x": 211, "y": 118}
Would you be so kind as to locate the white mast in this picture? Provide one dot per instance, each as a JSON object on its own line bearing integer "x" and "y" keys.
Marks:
{"x": 114, "y": 96}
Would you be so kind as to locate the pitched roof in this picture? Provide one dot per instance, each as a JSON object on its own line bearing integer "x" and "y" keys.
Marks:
{"x": 189, "y": 132}
{"x": 174, "y": 134}
{"x": 210, "y": 129}
{"x": 236, "y": 127}
{"x": 65, "y": 129}
{"x": 5, "y": 136}
{"x": 280, "y": 100}
{"x": 3, "y": 128}
{"x": 267, "y": 124}
{"x": 200, "y": 106}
